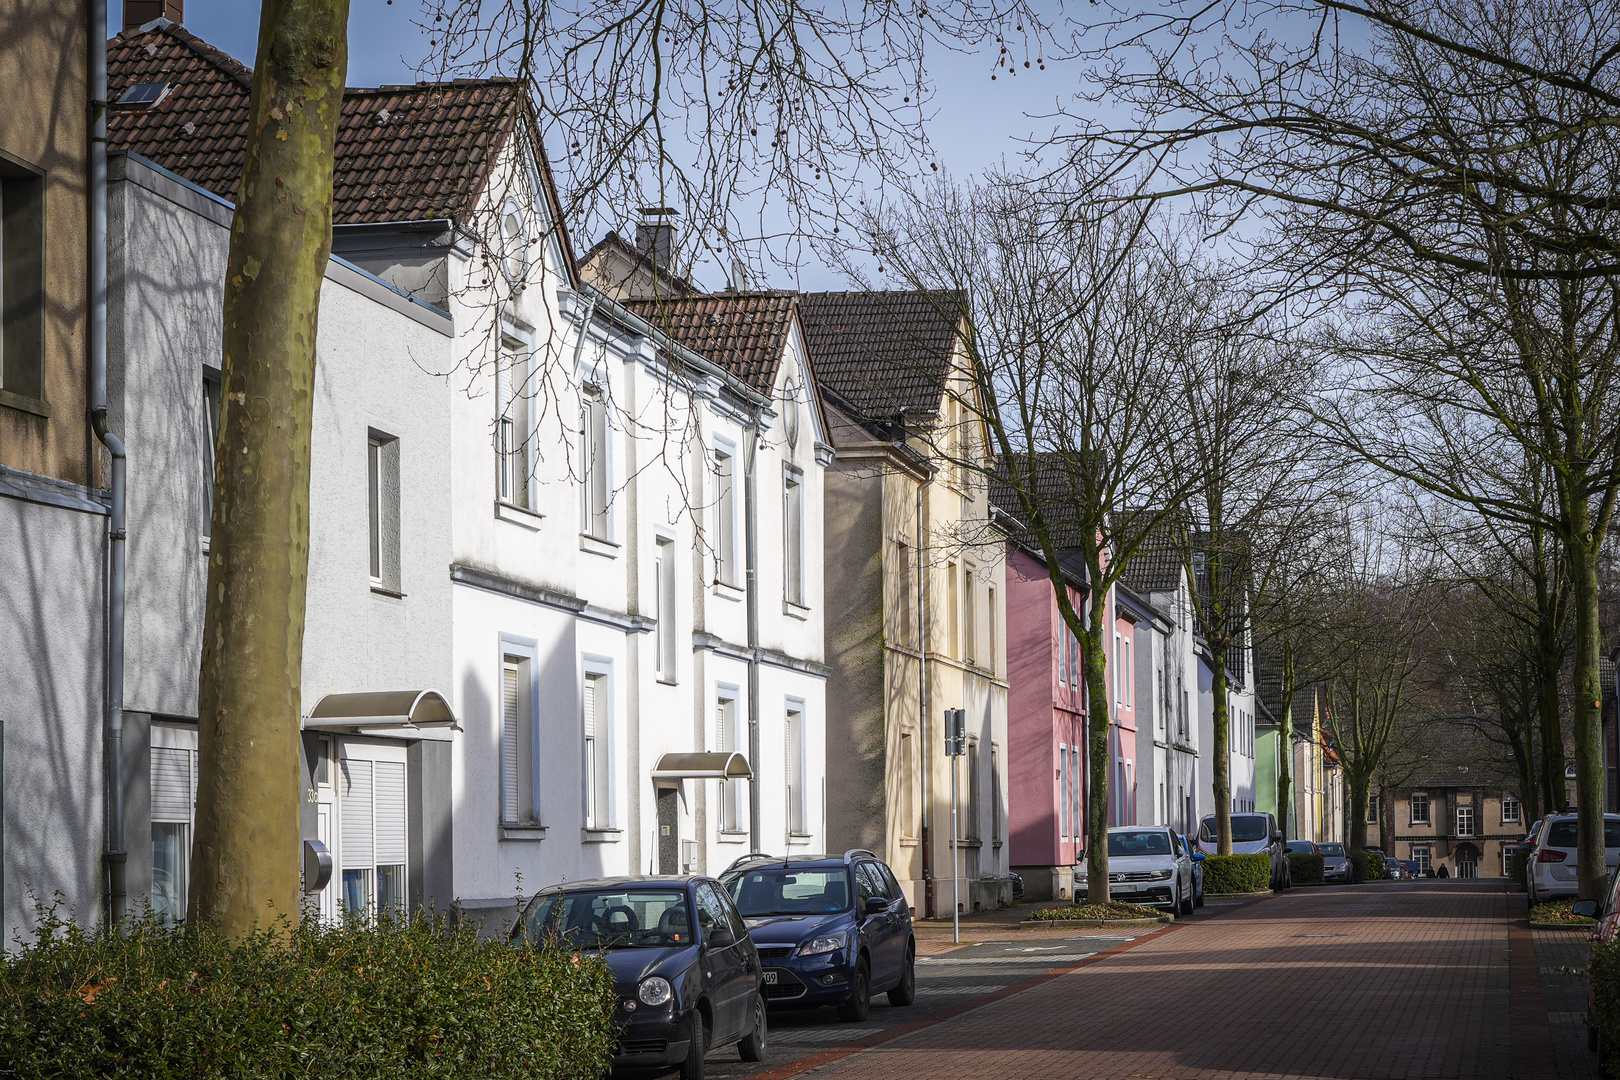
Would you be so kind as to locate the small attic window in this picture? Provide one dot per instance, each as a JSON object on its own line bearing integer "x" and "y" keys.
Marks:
{"x": 142, "y": 96}
{"x": 514, "y": 244}
{"x": 790, "y": 412}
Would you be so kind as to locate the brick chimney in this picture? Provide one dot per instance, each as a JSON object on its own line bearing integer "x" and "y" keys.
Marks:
{"x": 655, "y": 232}
{"x": 137, "y": 13}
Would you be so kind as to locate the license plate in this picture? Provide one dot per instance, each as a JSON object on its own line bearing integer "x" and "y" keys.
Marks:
{"x": 770, "y": 978}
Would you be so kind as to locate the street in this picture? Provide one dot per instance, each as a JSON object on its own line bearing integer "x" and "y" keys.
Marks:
{"x": 1398, "y": 979}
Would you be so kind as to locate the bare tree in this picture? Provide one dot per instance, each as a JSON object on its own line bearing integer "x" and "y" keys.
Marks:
{"x": 1073, "y": 318}
{"x": 245, "y": 866}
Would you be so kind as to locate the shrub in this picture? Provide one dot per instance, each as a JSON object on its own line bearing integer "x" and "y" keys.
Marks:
{"x": 1558, "y": 911}
{"x": 1376, "y": 870}
{"x": 1358, "y": 867}
{"x": 1237, "y": 873}
{"x": 352, "y": 1002}
{"x": 1114, "y": 909}
{"x": 1603, "y": 977}
{"x": 1306, "y": 869}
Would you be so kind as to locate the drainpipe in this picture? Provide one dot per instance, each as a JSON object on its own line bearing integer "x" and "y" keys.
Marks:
{"x": 113, "y": 724}
{"x": 751, "y": 573}
{"x": 922, "y": 702}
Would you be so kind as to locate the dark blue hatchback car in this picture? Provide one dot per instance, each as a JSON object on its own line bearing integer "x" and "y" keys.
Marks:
{"x": 830, "y": 929}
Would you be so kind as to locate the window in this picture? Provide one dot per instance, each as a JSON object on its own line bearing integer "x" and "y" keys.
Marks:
{"x": 908, "y": 784}
{"x": 995, "y": 793}
{"x": 664, "y": 608}
{"x": 1372, "y": 811}
{"x": 515, "y": 430}
{"x": 1510, "y": 809}
{"x": 1074, "y": 658}
{"x": 1063, "y": 655}
{"x": 1076, "y": 790}
{"x": 594, "y": 457}
{"x": 970, "y": 613}
{"x": 1420, "y": 856}
{"x": 953, "y": 610}
{"x": 728, "y": 738}
{"x": 174, "y": 798}
{"x": 793, "y": 537}
{"x": 1129, "y": 672}
{"x": 517, "y": 740}
{"x": 1465, "y": 821}
{"x": 905, "y": 594}
{"x": 995, "y": 638}
{"x": 372, "y": 822}
{"x": 382, "y": 509}
{"x": 514, "y": 245}
{"x": 974, "y": 787}
{"x": 1063, "y": 791}
{"x": 211, "y": 397}
{"x": 1507, "y": 860}
{"x": 1113, "y": 673}
{"x": 22, "y": 285}
{"x": 597, "y": 709}
{"x": 1420, "y": 808}
{"x": 796, "y": 795}
{"x": 725, "y": 519}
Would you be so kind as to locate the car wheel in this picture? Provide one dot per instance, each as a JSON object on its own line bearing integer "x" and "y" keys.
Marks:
{"x": 696, "y": 1047}
{"x": 1186, "y": 902}
{"x": 753, "y": 1047}
{"x": 906, "y": 992}
{"x": 860, "y": 997}
{"x": 1198, "y": 898}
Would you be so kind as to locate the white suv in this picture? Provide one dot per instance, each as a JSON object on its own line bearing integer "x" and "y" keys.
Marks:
{"x": 1553, "y": 860}
{"x": 1147, "y": 864}
{"x": 1252, "y": 834}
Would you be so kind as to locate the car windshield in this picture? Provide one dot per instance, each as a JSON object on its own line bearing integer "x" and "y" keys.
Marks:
{"x": 1246, "y": 828}
{"x": 1139, "y": 842}
{"x": 1562, "y": 833}
{"x": 1332, "y": 849}
{"x": 611, "y": 919}
{"x": 1300, "y": 847}
{"x": 781, "y": 890}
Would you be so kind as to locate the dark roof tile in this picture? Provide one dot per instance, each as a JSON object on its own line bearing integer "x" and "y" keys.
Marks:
{"x": 745, "y": 333}
{"x": 882, "y": 352}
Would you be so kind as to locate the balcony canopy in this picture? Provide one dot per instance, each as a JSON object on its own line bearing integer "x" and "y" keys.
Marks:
{"x": 411, "y": 715}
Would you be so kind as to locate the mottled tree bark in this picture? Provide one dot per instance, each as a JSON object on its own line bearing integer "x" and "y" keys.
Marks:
{"x": 245, "y": 863}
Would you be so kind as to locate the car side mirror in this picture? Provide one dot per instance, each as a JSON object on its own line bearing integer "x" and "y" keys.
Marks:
{"x": 1199, "y": 856}
{"x": 720, "y": 937}
{"x": 1586, "y": 909}
{"x": 876, "y": 905}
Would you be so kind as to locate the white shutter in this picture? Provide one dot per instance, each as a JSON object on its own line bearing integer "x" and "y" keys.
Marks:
{"x": 590, "y": 706}
{"x": 389, "y": 823}
{"x": 356, "y": 841}
{"x": 509, "y": 741}
{"x": 172, "y": 783}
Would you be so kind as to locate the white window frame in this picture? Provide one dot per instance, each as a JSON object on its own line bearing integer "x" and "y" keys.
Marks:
{"x": 725, "y": 512}
{"x": 515, "y": 434}
{"x": 373, "y": 753}
{"x": 596, "y": 461}
{"x": 1412, "y": 801}
{"x": 518, "y": 276}
{"x": 1518, "y": 810}
{"x": 793, "y": 535}
{"x": 382, "y": 509}
{"x": 1063, "y": 791}
{"x": 798, "y": 772}
{"x": 526, "y": 652}
{"x": 212, "y": 385}
{"x": 1421, "y": 857}
{"x": 597, "y": 751}
{"x": 1466, "y": 817}
{"x": 994, "y": 644}
{"x": 732, "y": 820}
{"x": 666, "y": 589}
{"x": 953, "y": 611}
{"x": 970, "y": 614}
{"x": 176, "y": 739}
{"x": 908, "y": 784}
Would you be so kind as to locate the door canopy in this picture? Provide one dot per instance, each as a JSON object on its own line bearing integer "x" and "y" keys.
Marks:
{"x": 411, "y": 715}
{"x": 716, "y": 765}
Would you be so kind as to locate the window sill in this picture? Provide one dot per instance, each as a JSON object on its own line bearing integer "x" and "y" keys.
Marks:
{"x": 727, "y": 591}
{"x": 517, "y": 515}
{"x": 522, "y": 832}
{"x": 798, "y": 839}
{"x": 909, "y": 841}
{"x": 383, "y": 590}
{"x": 795, "y": 611}
{"x": 661, "y": 681}
{"x": 732, "y": 837}
{"x": 25, "y": 404}
{"x": 600, "y": 836}
{"x": 597, "y": 546}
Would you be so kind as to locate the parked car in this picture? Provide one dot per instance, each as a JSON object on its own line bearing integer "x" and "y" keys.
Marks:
{"x": 830, "y": 929}
{"x": 1410, "y": 867}
{"x": 1197, "y": 858}
{"x": 1017, "y": 885}
{"x": 1147, "y": 864}
{"x": 1393, "y": 870}
{"x": 1335, "y": 863}
{"x": 1607, "y": 912}
{"x": 1301, "y": 847}
{"x": 1553, "y": 865}
{"x": 1251, "y": 834}
{"x": 688, "y": 977}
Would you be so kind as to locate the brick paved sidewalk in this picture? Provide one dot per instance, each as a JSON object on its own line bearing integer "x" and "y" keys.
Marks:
{"x": 1397, "y": 980}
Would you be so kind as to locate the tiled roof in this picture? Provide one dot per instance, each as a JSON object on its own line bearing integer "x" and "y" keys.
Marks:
{"x": 744, "y": 333}
{"x": 881, "y": 352}
{"x": 1154, "y": 569}
{"x": 404, "y": 153}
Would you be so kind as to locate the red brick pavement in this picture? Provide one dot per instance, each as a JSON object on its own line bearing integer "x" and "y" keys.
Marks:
{"x": 1382, "y": 981}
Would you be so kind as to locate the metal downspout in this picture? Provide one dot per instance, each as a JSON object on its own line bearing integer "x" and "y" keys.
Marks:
{"x": 751, "y": 571}
{"x": 922, "y": 704}
{"x": 113, "y": 725}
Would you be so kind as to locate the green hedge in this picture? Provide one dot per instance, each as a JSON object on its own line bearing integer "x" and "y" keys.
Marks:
{"x": 1375, "y": 866}
{"x": 1603, "y": 976}
{"x": 353, "y": 1002}
{"x": 1237, "y": 873}
{"x": 1306, "y": 869}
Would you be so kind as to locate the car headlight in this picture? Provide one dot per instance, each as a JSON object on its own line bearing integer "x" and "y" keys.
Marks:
{"x": 654, "y": 991}
{"x": 1161, "y": 875}
{"x": 817, "y": 946}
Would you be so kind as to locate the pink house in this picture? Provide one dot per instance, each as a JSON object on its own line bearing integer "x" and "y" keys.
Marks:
{"x": 1046, "y": 708}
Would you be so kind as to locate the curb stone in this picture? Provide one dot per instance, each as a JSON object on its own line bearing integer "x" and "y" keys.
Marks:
{"x": 1145, "y": 921}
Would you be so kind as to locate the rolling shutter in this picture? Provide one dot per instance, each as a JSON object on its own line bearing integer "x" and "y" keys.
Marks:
{"x": 509, "y": 741}
{"x": 172, "y": 791}
{"x": 389, "y": 822}
{"x": 358, "y": 847}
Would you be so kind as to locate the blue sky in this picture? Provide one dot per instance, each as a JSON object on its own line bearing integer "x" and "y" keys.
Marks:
{"x": 978, "y": 122}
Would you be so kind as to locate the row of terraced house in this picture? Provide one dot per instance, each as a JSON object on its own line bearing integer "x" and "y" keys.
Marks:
{"x": 607, "y": 574}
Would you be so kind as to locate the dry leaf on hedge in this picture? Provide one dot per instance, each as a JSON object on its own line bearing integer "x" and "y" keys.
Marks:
{"x": 88, "y": 992}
